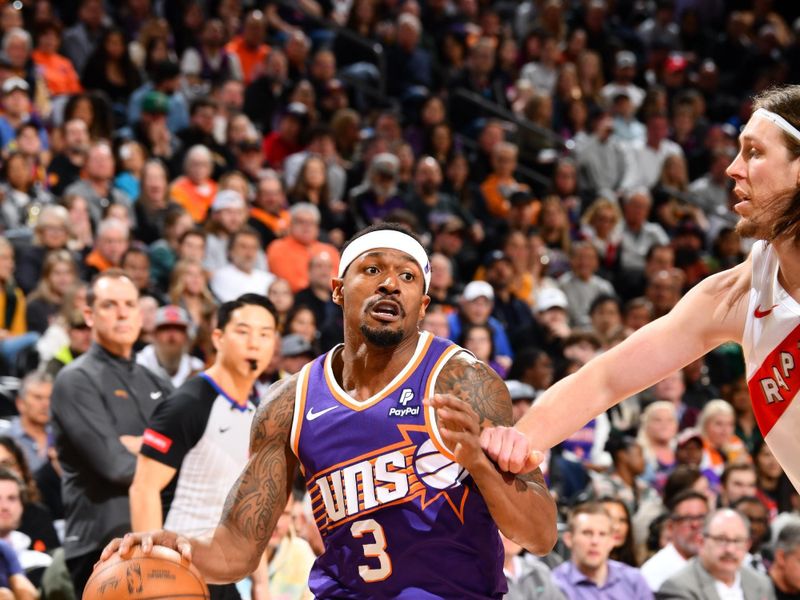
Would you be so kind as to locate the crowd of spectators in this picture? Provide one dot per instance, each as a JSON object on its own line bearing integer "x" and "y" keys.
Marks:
{"x": 562, "y": 160}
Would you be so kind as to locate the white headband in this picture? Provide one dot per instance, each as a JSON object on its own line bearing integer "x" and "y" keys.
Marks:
{"x": 779, "y": 121}
{"x": 387, "y": 238}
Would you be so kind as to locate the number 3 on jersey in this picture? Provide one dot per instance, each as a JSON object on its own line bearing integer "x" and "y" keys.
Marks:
{"x": 377, "y": 549}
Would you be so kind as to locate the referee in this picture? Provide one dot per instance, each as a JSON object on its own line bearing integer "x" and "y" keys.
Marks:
{"x": 197, "y": 441}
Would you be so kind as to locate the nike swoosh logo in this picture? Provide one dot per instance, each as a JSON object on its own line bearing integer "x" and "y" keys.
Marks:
{"x": 311, "y": 415}
{"x": 224, "y": 429}
{"x": 760, "y": 314}
{"x": 155, "y": 395}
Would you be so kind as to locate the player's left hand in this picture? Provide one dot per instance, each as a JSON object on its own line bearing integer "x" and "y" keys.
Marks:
{"x": 460, "y": 427}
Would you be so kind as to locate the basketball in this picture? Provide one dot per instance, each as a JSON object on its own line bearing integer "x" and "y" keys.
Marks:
{"x": 436, "y": 470}
{"x": 159, "y": 575}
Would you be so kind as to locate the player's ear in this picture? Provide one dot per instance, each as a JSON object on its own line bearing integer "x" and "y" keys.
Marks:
{"x": 337, "y": 287}
{"x": 423, "y": 307}
{"x": 216, "y": 337}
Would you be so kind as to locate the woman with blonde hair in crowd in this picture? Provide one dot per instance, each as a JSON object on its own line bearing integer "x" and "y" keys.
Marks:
{"x": 721, "y": 446}
{"x": 59, "y": 275}
{"x": 189, "y": 290}
{"x": 600, "y": 225}
{"x": 657, "y": 431}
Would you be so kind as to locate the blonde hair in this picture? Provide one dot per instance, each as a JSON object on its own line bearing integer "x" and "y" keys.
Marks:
{"x": 177, "y": 284}
{"x": 647, "y": 415}
{"x": 599, "y": 204}
{"x": 712, "y": 409}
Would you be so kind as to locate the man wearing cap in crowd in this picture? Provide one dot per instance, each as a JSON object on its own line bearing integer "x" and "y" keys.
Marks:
{"x": 16, "y": 103}
{"x": 624, "y": 74}
{"x": 475, "y": 308}
{"x": 288, "y": 257}
{"x": 296, "y": 351}
{"x": 228, "y": 214}
{"x": 551, "y": 323}
{"x": 166, "y": 80}
{"x": 167, "y": 356}
{"x": 522, "y": 397}
{"x": 152, "y": 130}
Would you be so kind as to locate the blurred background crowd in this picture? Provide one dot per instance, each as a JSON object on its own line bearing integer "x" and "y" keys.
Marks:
{"x": 562, "y": 160}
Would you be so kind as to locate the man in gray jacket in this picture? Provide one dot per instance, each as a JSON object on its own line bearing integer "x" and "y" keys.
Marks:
{"x": 101, "y": 403}
{"x": 717, "y": 572}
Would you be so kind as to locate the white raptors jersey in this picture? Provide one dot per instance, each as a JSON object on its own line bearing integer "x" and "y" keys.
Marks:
{"x": 772, "y": 356}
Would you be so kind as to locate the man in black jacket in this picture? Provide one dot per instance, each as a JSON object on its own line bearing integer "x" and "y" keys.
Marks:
{"x": 101, "y": 403}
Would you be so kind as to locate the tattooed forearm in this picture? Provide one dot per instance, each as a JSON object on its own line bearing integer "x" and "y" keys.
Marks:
{"x": 477, "y": 384}
{"x": 257, "y": 499}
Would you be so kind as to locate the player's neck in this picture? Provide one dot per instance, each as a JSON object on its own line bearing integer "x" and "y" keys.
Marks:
{"x": 364, "y": 369}
{"x": 789, "y": 259}
{"x": 238, "y": 388}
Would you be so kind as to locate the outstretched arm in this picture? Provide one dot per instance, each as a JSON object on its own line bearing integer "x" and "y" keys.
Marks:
{"x": 470, "y": 396}
{"x": 712, "y": 313}
{"x": 233, "y": 549}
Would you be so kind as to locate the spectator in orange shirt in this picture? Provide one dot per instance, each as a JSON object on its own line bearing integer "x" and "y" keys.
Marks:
{"x": 269, "y": 216}
{"x": 250, "y": 46}
{"x": 195, "y": 190}
{"x": 113, "y": 238}
{"x": 59, "y": 74}
{"x": 289, "y": 256}
{"x": 498, "y": 187}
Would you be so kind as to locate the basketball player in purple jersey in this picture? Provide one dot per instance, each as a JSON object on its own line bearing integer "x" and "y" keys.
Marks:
{"x": 755, "y": 304}
{"x": 385, "y": 429}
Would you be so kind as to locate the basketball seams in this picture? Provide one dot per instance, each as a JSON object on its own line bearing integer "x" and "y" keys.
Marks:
{"x": 156, "y": 561}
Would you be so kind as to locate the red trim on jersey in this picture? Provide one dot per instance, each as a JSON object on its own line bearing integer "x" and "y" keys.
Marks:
{"x": 766, "y": 407}
{"x": 156, "y": 441}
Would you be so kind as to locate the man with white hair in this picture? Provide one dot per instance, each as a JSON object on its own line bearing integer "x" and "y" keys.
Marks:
{"x": 195, "y": 189}
{"x": 17, "y": 47}
{"x": 110, "y": 245}
{"x": 289, "y": 257}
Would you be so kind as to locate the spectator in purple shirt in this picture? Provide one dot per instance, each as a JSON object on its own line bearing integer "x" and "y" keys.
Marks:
{"x": 589, "y": 574}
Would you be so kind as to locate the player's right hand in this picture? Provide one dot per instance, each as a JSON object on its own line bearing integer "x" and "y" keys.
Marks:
{"x": 147, "y": 540}
{"x": 510, "y": 450}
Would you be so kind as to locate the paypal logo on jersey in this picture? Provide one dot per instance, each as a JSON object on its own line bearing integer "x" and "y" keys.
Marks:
{"x": 406, "y": 396}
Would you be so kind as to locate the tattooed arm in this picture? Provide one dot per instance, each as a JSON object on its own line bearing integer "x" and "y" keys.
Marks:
{"x": 259, "y": 496}
{"x": 232, "y": 551}
{"x": 470, "y": 396}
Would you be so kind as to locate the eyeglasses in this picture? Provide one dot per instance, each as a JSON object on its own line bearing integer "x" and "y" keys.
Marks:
{"x": 723, "y": 541}
{"x": 689, "y": 518}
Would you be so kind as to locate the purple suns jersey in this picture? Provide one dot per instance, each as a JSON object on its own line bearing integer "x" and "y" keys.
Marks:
{"x": 399, "y": 518}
